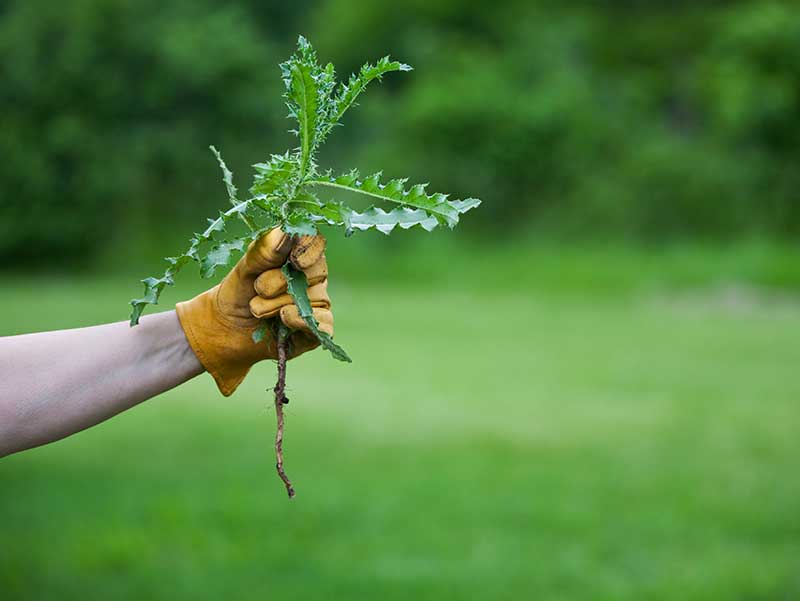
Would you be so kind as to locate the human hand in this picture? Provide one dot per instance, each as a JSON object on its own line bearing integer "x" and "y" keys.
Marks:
{"x": 219, "y": 323}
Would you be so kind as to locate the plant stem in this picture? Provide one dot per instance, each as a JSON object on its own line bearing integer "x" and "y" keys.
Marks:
{"x": 280, "y": 401}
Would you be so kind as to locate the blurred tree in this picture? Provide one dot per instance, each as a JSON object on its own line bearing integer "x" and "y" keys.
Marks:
{"x": 592, "y": 119}
{"x": 107, "y": 108}
{"x": 750, "y": 92}
{"x": 647, "y": 120}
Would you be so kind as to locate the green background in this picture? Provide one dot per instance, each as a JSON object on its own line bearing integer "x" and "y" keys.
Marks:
{"x": 587, "y": 391}
{"x": 630, "y": 120}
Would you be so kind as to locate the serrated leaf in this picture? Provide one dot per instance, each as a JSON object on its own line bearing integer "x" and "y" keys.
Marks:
{"x": 272, "y": 176}
{"x": 227, "y": 176}
{"x": 436, "y": 205}
{"x": 152, "y": 291}
{"x": 332, "y": 213}
{"x": 357, "y": 84}
{"x": 216, "y": 225}
{"x": 462, "y": 206}
{"x": 271, "y": 207}
{"x": 305, "y": 200}
{"x": 301, "y": 94}
{"x": 219, "y": 256}
{"x": 138, "y": 308}
{"x": 385, "y": 222}
{"x": 297, "y": 287}
{"x": 299, "y": 223}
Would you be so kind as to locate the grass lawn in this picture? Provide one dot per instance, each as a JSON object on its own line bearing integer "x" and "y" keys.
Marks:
{"x": 527, "y": 443}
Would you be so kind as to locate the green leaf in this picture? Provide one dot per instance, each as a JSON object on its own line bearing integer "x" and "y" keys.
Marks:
{"x": 385, "y": 222}
{"x": 297, "y": 287}
{"x": 306, "y": 97}
{"x": 273, "y": 176}
{"x": 299, "y": 223}
{"x": 307, "y": 201}
{"x": 462, "y": 206}
{"x": 260, "y": 333}
{"x": 356, "y": 85}
{"x": 436, "y": 205}
{"x": 338, "y": 214}
{"x": 219, "y": 256}
{"x": 227, "y": 177}
{"x": 326, "y": 85}
{"x": 301, "y": 94}
{"x": 152, "y": 291}
{"x": 139, "y": 306}
{"x": 332, "y": 213}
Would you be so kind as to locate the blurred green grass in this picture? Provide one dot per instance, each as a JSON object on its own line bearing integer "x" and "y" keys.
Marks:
{"x": 578, "y": 425}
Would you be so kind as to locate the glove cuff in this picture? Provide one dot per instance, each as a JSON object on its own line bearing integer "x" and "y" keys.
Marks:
{"x": 214, "y": 343}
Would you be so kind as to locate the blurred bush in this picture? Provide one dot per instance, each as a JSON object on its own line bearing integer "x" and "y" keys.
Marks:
{"x": 635, "y": 120}
{"x": 107, "y": 108}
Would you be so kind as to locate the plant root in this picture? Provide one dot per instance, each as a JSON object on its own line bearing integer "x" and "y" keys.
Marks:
{"x": 280, "y": 401}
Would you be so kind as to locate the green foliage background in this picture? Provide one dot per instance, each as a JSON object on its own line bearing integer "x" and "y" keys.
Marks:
{"x": 603, "y": 398}
{"x": 633, "y": 120}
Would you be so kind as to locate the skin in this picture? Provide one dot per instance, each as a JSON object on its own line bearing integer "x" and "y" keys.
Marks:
{"x": 53, "y": 384}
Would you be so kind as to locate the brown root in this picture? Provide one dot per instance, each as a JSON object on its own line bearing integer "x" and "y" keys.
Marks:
{"x": 280, "y": 401}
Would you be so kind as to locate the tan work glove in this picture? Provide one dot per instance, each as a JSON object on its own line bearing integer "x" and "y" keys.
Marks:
{"x": 219, "y": 323}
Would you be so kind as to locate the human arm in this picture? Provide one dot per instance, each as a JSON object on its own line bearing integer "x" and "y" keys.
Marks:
{"x": 54, "y": 384}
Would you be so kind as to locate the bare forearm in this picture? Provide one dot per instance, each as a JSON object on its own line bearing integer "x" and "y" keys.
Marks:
{"x": 54, "y": 384}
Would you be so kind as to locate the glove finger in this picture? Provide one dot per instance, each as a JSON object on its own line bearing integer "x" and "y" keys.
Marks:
{"x": 272, "y": 283}
{"x": 307, "y": 250}
{"x": 268, "y": 252}
{"x": 269, "y": 307}
{"x": 291, "y": 319}
{"x": 318, "y": 295}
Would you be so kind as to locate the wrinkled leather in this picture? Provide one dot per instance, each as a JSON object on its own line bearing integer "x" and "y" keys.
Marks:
{"x": 220, "y": 322}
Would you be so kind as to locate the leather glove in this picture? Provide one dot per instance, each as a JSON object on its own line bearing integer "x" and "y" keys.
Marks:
{"x": 219, "y": 323}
